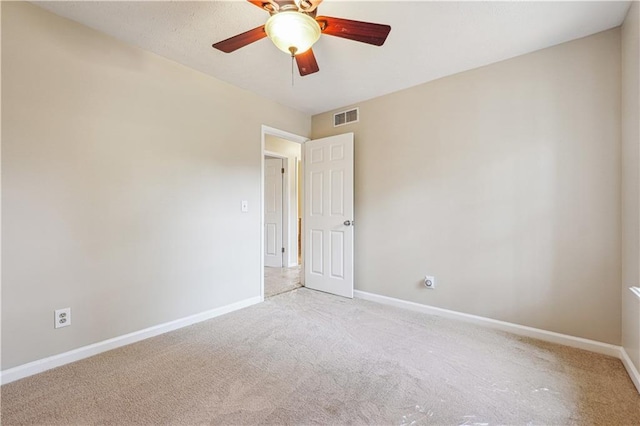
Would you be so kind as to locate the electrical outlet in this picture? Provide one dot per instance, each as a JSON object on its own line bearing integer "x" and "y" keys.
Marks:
{"x": 62, "y": 317}
{"x": 430, "y": 281}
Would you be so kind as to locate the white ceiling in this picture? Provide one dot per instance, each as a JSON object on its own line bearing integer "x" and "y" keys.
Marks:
{"x": 428, "y": 40}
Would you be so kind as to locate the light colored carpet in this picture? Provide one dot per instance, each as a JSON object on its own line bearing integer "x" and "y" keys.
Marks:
{"x": 306, "y": 357}
{"x": 281, "y": 280}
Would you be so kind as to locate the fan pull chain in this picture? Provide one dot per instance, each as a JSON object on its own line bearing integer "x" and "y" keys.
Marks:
{"x": 293, "y": 51}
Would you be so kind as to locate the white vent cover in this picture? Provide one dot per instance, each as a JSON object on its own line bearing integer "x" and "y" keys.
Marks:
{"x": 346, "y": 117}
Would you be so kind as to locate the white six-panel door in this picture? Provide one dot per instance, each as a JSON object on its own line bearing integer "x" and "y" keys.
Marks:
{"x": 273, "y": 212}
{"x": 329, "y": 214}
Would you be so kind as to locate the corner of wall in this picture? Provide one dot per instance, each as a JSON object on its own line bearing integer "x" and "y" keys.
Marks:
{"x": 630, "y": 141}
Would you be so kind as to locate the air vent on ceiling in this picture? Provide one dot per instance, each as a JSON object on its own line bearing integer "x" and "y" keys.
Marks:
{"x": 346, "y": 117}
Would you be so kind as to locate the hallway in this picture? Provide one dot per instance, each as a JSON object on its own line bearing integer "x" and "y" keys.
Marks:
{"x": 281, "y": 280}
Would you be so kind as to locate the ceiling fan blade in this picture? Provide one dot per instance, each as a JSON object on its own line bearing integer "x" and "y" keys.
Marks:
{"x": 365, "y": 32}
{"x": 307, "y": 63}
{"x": 241, "y": 40}
{"x": 259, "y": 3}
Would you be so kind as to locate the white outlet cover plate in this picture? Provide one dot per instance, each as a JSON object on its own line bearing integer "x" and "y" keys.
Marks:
{"x": 62, "y": 317}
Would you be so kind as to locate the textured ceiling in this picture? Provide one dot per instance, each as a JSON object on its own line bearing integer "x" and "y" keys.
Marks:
{"x": 428, "y": 40}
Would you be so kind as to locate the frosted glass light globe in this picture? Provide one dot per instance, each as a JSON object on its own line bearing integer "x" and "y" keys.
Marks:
{"x": 292, "y": 31}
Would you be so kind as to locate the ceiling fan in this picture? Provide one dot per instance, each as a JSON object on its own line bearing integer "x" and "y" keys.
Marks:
{"x": 294, "y": 27}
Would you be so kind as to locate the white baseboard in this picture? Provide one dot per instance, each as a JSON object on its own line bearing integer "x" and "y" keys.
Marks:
{"x": 631, "y": 369}
{"x": 35, "y": 367}
{"x": 521, "y": 330}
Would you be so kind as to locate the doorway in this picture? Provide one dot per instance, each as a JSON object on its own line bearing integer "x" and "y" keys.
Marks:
{"x": 282, "y": 201}
{"x": 326, "y": 255}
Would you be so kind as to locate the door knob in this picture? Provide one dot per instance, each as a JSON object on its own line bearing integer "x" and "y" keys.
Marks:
{"x": 348, "y": 222}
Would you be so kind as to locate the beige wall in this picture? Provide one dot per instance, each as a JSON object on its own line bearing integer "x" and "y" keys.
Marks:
{"x": 122, "y": 179}
{"x": 293, "y": 152}
{"x": 504, "y": 183}
{"x": 631, "y": 183}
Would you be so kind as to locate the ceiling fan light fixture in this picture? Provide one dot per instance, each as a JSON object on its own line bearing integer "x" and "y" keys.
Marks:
{"x": 292, "y": 32}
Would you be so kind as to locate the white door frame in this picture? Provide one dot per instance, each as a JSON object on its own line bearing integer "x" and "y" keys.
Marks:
{"x": 266, "y": 130}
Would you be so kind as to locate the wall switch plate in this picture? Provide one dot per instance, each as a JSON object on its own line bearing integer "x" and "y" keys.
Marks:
{"x": 245, "y": 206}
{"x": 62, "y": 317}
{"x": 430, "y": 281}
